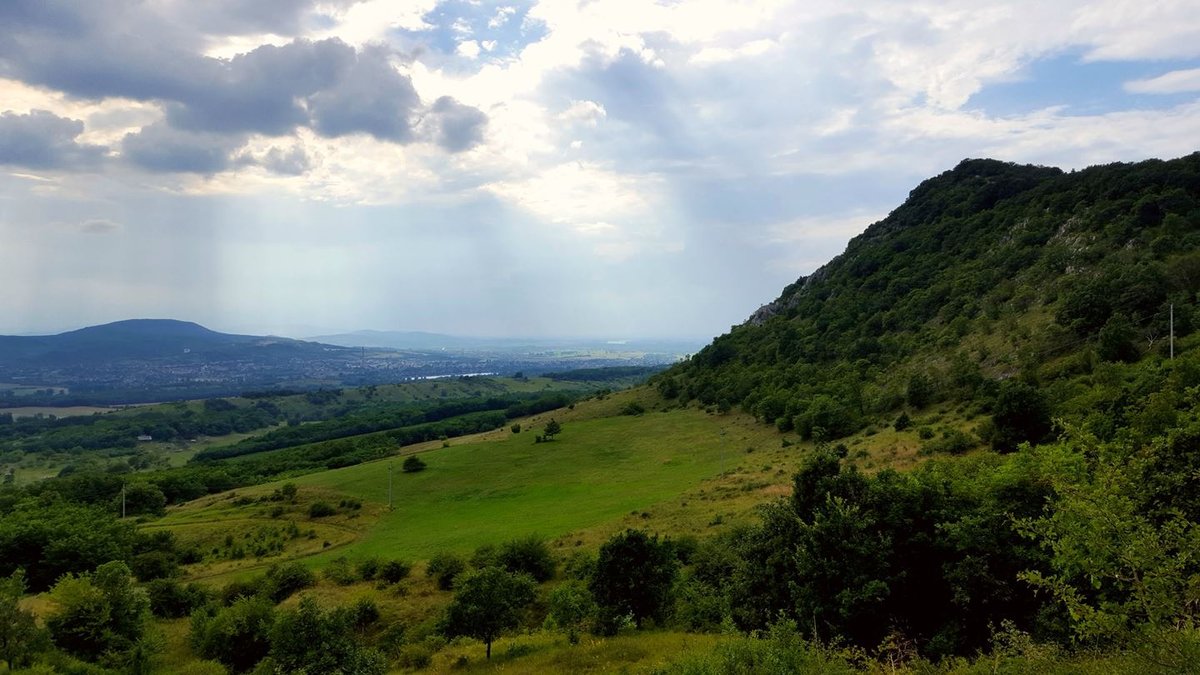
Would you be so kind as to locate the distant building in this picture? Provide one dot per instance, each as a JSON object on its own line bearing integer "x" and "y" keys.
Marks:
{"x": 145, "y": 438}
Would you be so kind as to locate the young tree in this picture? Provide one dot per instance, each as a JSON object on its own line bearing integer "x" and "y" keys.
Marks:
{"x": 634, "y": 575}
{"x": 309, "y": 640}
{"x": 553, "y": 428}
{"x": 570, "y": 607}
{"x": 445, "y": 568}
{"x": 238, "y": 636}
{"x": 20, "y": 636}
{"x": 98, "y": 612}
{"x": 529, "y": 555}
{"x": 487, "y": 603}
{"x": 412, "y": 465}
{"x": 1020, "y": 414}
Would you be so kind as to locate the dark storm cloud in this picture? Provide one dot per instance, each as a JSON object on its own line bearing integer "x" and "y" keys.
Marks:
{"x": 371, "y": 97}
{"x": 263, "y": 90}
{"x": 158, "y": 147}
{"x": 459, "y": 127}
{"x": 43, "y": 140}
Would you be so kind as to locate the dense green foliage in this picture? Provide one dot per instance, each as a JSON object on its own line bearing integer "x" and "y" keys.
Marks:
{"x": 488, "y": 602}
{"x": 20, "y": 636}
{"x": 98, "y": 613}
{"x": 412, "y": 423}
{"x": 239, "y": 636}
{"x": 983, "y": 248}
{"x": 310, "y": 640}
{"x": 51, "y": 538}
{"x": 216, "y": 417}
{"x": 633, "y": 578}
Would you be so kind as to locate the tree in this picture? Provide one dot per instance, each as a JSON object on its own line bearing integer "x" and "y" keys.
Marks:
{"x": 238, "y": 636}
{"x": 570, "y": 607}
{"x": 445, "y": 567}
{"x": 412, "y": 465}
{"x": 98, "y": 612}
{"x": 634, "y": 575}
{"x": 529, "y": 556}
{"x": 20, "y": 636}
{"x": 1020, "y": 414}
{"x": 487, "y": 603}
{"x": 553, "y": 428}
{"x": 1116, "y": 339}
{"x": 288, "y": 491}
{"x": 309, "y": 640}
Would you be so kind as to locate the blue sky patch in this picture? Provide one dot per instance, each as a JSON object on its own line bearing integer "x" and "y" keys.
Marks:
{"x": 1083, "y": 88}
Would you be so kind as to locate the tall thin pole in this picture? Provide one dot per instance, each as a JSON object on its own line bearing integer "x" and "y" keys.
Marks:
{"x": 122, "y": 500}
{"x": 389, "y": 486}
{"x": 1172, "y": 330}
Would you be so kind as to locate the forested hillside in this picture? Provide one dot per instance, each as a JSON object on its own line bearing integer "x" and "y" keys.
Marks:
{"x": 1059, "y": 503}
{"x": 987, "y": 271}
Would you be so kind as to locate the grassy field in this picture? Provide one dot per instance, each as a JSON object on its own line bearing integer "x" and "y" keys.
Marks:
{"x": 474, "y": 494}
{"x": 680, "y": 470}
{"x": 675, "y": 471}
{"x": 670, "y": 470}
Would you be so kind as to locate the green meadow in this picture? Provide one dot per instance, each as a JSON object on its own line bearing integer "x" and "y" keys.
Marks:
{"x": 597, "y": 470}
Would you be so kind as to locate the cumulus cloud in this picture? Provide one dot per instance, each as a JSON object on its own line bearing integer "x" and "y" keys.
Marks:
{"x": 84, "y": 50}
{"x": 371, "y": 97}
{"x": 458, "y": 127}
{"x": 262, "y": 91}
{"x": 293, "y": 162}
{"x": 161, "y": 148}
{"x": 43, "y": 140}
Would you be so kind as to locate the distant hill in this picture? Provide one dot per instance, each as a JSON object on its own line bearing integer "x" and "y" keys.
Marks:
{"x": 132, "y": 339}
{"x": 156, "y": 359}
{"x": 986, "y": 272}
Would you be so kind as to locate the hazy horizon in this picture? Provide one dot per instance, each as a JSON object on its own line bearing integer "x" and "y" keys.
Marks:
{"x": 310, "y": 333}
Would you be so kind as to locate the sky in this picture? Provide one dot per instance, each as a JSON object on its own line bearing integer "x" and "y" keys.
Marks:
{"x": 607, "y": 168}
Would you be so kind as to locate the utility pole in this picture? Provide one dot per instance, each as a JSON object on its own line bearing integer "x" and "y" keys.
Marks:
{"x": 389, "y": 486}
{"x": 1172, "y": 330}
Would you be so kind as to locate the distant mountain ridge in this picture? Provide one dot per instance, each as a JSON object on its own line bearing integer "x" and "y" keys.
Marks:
{"x": 142, "y": 360}
{"x": 132, "y": 338}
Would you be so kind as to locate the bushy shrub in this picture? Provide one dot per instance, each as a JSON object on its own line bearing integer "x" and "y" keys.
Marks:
{"x": 953, "y": 442}
{"x": 412, "y": 465}
{"x": 98, "y": 612}
{"x": 529, "y": 555}
{"x": 443, "y": 568}
{"x": 394, "y": 571}
{"x": 310, "y": 640}
{"x": 286, "y": 579}
{"x": 368, "y": 568}
{"x": 341, "y": 572}
{"x": 320, "y": 510}
{"x": 241, "y": 588}
{"x": 171, "y": 600}
{"x": 238, "y": 636}
{"x": 363, "y": 613}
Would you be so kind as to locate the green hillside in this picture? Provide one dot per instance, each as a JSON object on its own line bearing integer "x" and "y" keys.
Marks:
{"x": 969, "y": 444}
{"x": 988, "y": 271}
